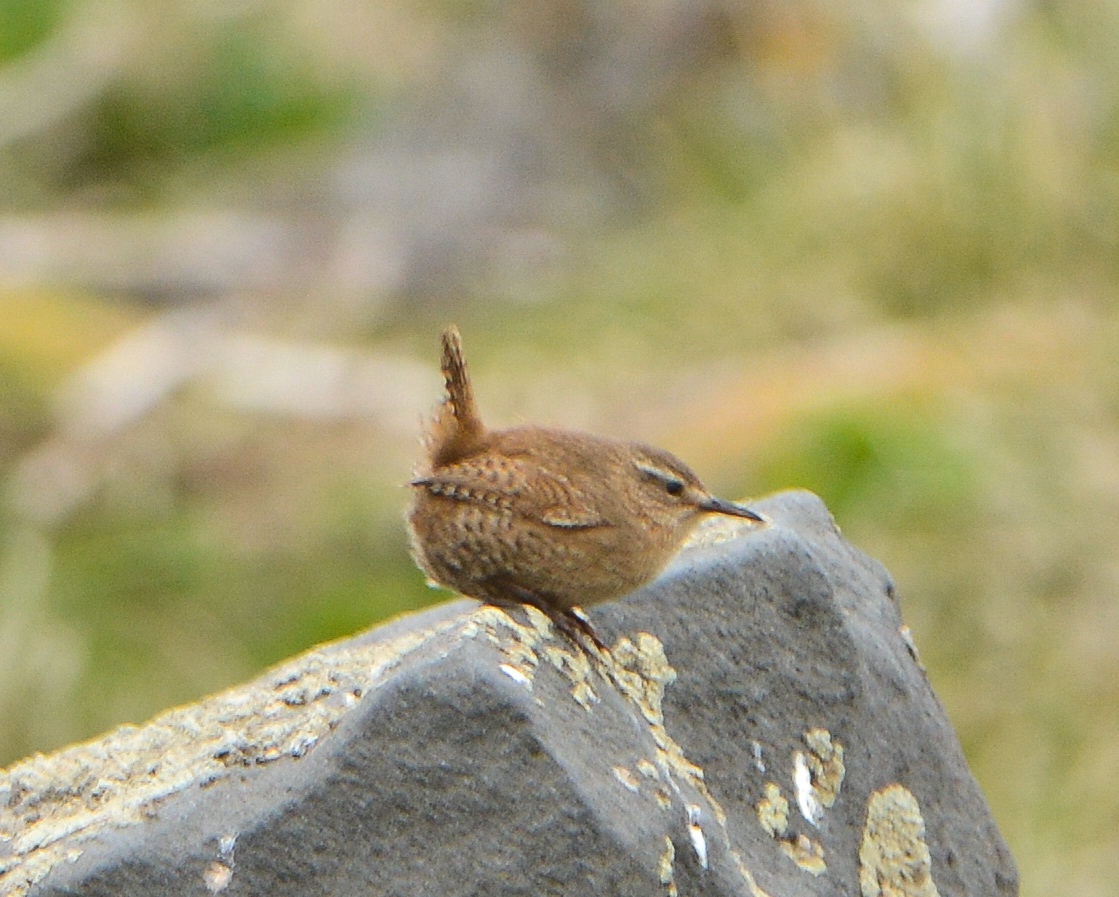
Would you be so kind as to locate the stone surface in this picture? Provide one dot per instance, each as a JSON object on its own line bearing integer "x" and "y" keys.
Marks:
{"x": 761, "y": 726}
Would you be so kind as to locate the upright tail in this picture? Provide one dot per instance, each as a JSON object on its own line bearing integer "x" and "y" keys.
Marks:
{"x": 457, "y": 426}
{"x": 459, "y": 391}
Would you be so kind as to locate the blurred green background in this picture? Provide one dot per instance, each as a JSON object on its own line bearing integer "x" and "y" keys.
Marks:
{"x": 869, "y": 248}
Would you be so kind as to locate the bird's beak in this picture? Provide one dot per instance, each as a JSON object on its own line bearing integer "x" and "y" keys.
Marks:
{"x": 719, "y": 506}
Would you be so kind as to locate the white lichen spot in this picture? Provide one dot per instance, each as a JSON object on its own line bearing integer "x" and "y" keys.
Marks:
{"x": 667, "y": 867}
{"x": 516, "y": 675}
{"x": 699, "y": 842}
{"x": 806, "y": 853}
{"x": 894, "y": 859}
{"x": 218, "y": 874}
{"x": 809, "y": 806}
{"x": 648, "y": 769}
{"x": 825, "y": 763}
{"x": 907, "y": 636}
{"x": 773, "y": 811}
{"x": 226, "y": 845}
{"x": 627, "y": 778}
{"x": 756, "y": 750}
{"x": 302, "y": 744}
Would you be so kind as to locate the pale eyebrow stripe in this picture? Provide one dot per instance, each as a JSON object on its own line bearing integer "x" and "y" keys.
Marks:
{"x": 659, "y": 472}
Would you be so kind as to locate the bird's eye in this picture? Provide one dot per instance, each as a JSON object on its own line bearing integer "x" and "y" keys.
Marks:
{"x": 672, "y": 484}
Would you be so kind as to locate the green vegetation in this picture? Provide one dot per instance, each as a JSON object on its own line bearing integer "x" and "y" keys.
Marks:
{"x": 845, "y": 249}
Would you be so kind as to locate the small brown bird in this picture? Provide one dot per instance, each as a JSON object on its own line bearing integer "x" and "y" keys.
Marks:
{"x": 557, "y": 519}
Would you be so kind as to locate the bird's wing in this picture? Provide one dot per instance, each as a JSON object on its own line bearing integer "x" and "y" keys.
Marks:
{"x": 510, "y": 484}
{"x": 559, "y": 502}
{"x": 568, "y": 517}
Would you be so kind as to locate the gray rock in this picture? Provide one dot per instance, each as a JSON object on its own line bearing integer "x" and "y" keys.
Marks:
{"x": 762, "y": 726}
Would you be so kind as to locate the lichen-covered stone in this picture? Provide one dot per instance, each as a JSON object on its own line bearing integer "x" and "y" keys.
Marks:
{"x": 760, "y": 726}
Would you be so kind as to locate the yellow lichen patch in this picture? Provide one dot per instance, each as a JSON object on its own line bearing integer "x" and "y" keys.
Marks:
{"x": 669, "y": 752}
{"x": 666, "y": 867}
{"x": 517, "y": 642}
{"x": 894, "y": 860}
{"x": 216, "y": 877}
{"x": 576, "y": 667}
{"x": 825, "y": 762}
{"x": 755, "y": 888}
{"x": 773, "y": 810}
{"x": 661, "y": 793}
{"x": 627, "y": 778}
{"x": 539, "y": 621}
{"x": 642, "y": 672}
{"x": 806, "y": 853}
{"x": 773, "y": 814}
{"x": 58, "y": 801}
{"x": 522, "y": 644}
{"x": 521, "y": 655}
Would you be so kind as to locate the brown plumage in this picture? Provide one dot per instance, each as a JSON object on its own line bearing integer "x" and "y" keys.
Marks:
{"x": 553, "y": 518}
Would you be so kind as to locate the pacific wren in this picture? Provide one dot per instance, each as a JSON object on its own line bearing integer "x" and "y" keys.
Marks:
{"x": 557, "y": 519}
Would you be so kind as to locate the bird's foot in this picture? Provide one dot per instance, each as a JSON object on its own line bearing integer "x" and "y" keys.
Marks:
{"x": 572, "y": 622}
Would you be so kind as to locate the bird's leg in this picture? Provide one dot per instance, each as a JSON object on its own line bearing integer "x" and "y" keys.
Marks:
{"x": 570, "y": 622}
{"x": 575, "y": 615}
